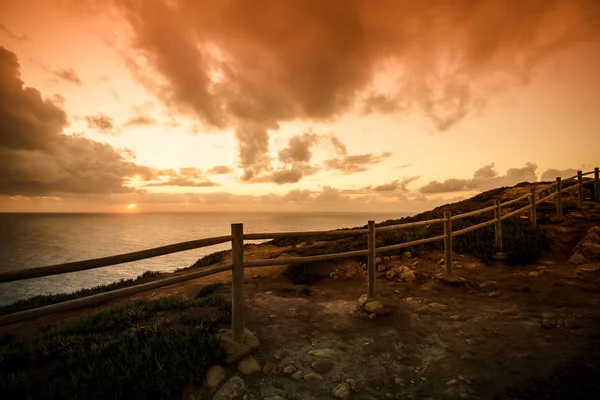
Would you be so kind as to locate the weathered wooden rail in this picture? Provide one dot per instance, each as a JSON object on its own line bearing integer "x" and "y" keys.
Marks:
{"x": 238, "y": 264}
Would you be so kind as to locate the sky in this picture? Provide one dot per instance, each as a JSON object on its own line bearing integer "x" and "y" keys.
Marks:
{"x": 344, "y": 105}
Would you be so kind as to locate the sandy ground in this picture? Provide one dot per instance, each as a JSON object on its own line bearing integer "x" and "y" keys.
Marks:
{"x": 530, "y": 332}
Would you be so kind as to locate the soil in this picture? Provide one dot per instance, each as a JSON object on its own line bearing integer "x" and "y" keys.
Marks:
{"x": 531, "y": 332}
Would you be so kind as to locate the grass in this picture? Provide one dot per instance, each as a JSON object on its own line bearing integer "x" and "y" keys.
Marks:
{"x": 145, "y": 349}
{"x": 207, "y": 260}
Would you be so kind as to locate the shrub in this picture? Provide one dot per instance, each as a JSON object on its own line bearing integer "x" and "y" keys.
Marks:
{"x": 211, "y": 288}
{"x": 302, "y": 274}
{"x": 207, "y": 260}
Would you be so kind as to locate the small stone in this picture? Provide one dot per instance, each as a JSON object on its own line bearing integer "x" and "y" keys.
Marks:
{"x": 278, "y": 355}
{"x": 269, "y": 292}
{"x": 353, "y": 383}
{"x": 380, "y": 268}
{"x": 489, "y": 285}
{"x": 233, "y": 388}
{"x": 363, "y": 266}
{"x": 363, "y": 299}
{"x": 289, "y": 370}
{"x": 273, "y": 316}
{"x": 323, "y": 353}
{"x": 377, "y": 260}
{"x": 312, "y": 377}
{"x": 398, "y": 382}
{"x": 341, "y": 391}
{"x": 376, "y": 307}
{"x": 494, "y": 293}
{"x": 322, "y": 366}
{"x": 548, "y": 315}
{"x": 386, "y": 258}
{"x": 298, "y": 375}
{"x": 409, "y": 276}
{"x": 372, "y": 316}
{"x": 441, "y": 261}
{"x": 455, "y": 317}
{"x": 389, "y": 396}
{"x": 248, "y": 365}
{"x": 407, "y": 254}
{"x": 452, "y": 382}
{"x": 215, "y": 375}
{"x": 390, "y": 274}
{"x": 438, "y": 306}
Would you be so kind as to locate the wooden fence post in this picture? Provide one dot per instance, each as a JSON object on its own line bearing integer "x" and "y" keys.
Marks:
{"x": 448, "y": 242}
{"x": 237, "y": 283}
{"x": 498, "y": 230}
{"x": 579, "y": 189}
{"x": 371, "y": 260}
{"x": 597, "y": 183}
{"x": 532, "y": 210}
{"x": 559, "y": 206}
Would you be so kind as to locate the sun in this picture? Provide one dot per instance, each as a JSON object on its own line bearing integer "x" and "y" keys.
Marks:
{"x": 132, "y": 207}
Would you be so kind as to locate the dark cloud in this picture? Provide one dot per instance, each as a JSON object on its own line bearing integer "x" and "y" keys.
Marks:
{"x": 299, "y": 148}
{"x": 12, "y": 36}
{"x": 100, "y": 122}
{"x": 319, "y": 59}
{"x": 396, "y": 185}
{"x": 219, "y": 170}
{"x": 484, "y": 178}
{"x": 68, "y": 75}
{"x": 355, "y": 163}
{"x": 338, "y": 146}
{"x": 39, "y": 160}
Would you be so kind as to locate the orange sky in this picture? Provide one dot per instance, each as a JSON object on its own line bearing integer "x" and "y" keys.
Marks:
{"x": 271, "y": 105}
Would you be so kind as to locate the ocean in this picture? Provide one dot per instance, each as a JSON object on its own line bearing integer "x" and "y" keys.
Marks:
{"x": 35, "y": 240}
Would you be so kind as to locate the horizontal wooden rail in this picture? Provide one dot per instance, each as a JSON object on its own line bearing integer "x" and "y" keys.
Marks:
{"x": 408, "y": 244}
{"x": 111, "y": 260}
{"x": 547, "y": 187}
{"x": 569, "y": 178}
{"x": 275, "y": 235}
{"x": 409, "y": 225}
{"x": 474, "y": 227}
{"x": 570, "y": 188}
{"x": 588, "y": 173}
{"x": 302, "y": 260}
{"x": 547, "y": 197}
{"x": 519, "y": 211}
{"x": 472, "y": 213}
{"x": 104, "y": 297}
{"x": 525, "y": 196}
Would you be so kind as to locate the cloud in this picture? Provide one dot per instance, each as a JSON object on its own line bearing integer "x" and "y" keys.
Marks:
{"x": 338, "y": 146}
{"x": 485, "y": 178}
{"x": 355, "y": 163}
{"x": 219, "y": 170}
{"x": 68, "y": 75}
{"x": 396, "y": 185}
{"x": 186, "y": 176}
{"x": 182, "y": 182}
{"x": 442, "y": 59}
{"x": 551, "y": 173}
{"x": 329, "y": 194}
{"x": 38, "y": 159}
{"x": 299, "y": 148}
{"x": 297, "y": 195}
{"x": 141, "y": 120}
{"x": 100, "y": 122}
{"x": 9, "y": 34}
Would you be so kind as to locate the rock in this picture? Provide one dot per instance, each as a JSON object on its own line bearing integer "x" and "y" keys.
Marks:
{"x": 341, "y": 391}
{"x": 289, "y": 370}
{"x": 590, "y": 268}
{"x": 404, "y": 269}
{"x": 233, "y": 350}
{"x": 353, "y": 384}
{"x": 494, "y": 294}
{"x": 577, "y": 258}
{"x": 298, "y": 375}
{"x": 489, "y": 285}
{"x": 455, "y": 317}
{"x": 376, "y": 307}
{"x": 409, "y": 276}
{"x": 233, "y": 388}
{"x": 362, "y": 300}
{"x": 322, "y": 366}
{"x": 398, "y": 382}
{"x": 380, "y": 268}
{"x": 363, "y": 266}
{"x": 452, "y": 382}
{"x": 441, "y": 261}
{"x": 312, "y": 377}
{"x": 390, "y": 274}
{"x": 248, "y": 365}
{"x": 323, "y": 353}
{"x": 278, "y": 355}
{"x": 377, "y": 260}
{"x": 394, "y": 258}
{"x": 535, "y": 274}
{"x": 389, "y": 396}
{"x": 548, "y": 315}
{"x": 269, "y": 292}
{"x": 372, "y": 316}
{"x": 215, "y": 376}
{"x": 439, "y": 306}
{"x": 407, "y": 254}
{"x": 386, "y": 259}
{"x": 252, "y": 340}
{"x": 590, "y": 250}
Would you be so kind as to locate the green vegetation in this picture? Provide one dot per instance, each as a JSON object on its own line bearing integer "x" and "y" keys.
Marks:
{"x": 207, "y": 260}
{"x": 302, "y": 274}
{"x": 145, "y": 349}
{"x": 211, "y": 288}
{"x": 45, "y": 300}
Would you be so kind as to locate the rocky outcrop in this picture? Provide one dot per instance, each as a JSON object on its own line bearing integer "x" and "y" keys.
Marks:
{"x": 588, "y": 249}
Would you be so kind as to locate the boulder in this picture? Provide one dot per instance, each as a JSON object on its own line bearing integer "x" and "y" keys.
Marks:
{"x": 234, "y": 351}
{"x": 376, "y": 307}
{"x": 323, "y": 353}
{"x": 342, "y": 391}
{"x": 248, "y": 365}
{"x": 234, "y": 388}
{"x": 215, "y": 375}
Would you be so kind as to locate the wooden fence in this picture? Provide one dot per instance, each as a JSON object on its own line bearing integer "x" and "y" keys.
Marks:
{"x": 238, "y": 264}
